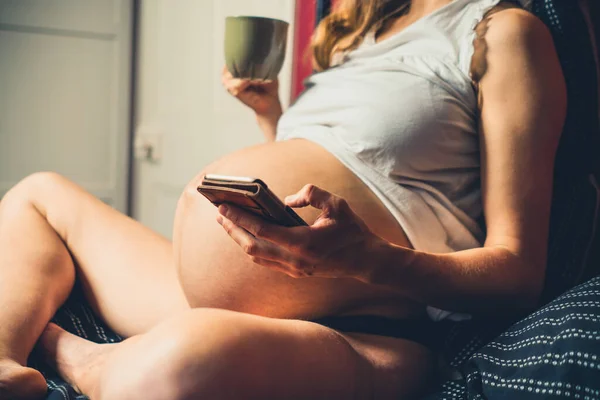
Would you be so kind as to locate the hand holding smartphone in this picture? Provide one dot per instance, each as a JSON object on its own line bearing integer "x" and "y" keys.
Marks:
{"x": 250, "y": 194}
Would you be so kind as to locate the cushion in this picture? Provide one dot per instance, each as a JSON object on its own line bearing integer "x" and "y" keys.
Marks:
{"x": 554, "y": 352}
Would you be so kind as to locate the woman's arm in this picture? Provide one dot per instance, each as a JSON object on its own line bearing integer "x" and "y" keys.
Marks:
{"x": 267, "y": 122}
{"x": 523, "y": 106}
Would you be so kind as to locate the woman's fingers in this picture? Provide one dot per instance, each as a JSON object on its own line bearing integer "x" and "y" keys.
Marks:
{"x": 257, "y": 226}
{"x": 234, "y": 85}
{"x": 237, "y": 86}
{"x": 261, "y": 251}
{"x": 332, "y": 205}
{"x": 293, "y": 238}
{"x": 312, "y": 195}
{"x": 243, "y": 238}
{"x": 225, "y": 74}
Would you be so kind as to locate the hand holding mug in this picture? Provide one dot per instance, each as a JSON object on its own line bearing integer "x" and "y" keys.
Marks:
{"x": 260, "y": 96}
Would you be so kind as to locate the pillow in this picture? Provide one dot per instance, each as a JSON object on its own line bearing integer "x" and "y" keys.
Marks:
{"x": 552, "y": 353}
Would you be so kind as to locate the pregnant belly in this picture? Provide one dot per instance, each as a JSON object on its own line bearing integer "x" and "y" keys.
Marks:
{"x": 215, "y": 272}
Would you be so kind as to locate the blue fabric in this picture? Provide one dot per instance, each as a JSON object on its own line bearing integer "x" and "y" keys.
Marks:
{"x": 553, "y": 353}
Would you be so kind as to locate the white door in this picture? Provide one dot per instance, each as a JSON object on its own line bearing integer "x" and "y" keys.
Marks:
{"x": 65, "y": 93}
{"x": 180, "y": 103}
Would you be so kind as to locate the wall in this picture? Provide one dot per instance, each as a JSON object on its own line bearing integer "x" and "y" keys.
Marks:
{"x": 180, "y": 97}
{"x": 65, "y": 69}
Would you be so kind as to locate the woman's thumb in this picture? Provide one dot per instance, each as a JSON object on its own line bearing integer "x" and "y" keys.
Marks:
{"x": 309, "y": 195}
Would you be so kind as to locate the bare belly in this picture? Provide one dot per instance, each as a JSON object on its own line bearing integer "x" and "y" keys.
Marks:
{"x": 215, "y": 272}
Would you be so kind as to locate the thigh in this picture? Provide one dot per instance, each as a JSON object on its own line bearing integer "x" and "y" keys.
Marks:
{"x": 126, "y": 270}
{"x": 220, "y": 354}
{"x": 317, "y": 362}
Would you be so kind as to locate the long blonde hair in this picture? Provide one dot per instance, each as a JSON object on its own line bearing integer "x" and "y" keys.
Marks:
{"x": 346, "y": 26}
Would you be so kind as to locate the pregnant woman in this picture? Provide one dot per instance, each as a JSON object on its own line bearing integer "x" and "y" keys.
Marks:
{"x": 425, "y": 145}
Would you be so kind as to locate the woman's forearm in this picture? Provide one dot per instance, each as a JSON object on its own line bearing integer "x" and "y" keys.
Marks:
{"x": 475, "y": 280}
{"x": 504, "y": 276}
{"x": 268, "y": 123}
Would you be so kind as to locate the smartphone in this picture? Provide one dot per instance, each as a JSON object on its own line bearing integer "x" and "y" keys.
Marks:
{"x": 250, "y": 194}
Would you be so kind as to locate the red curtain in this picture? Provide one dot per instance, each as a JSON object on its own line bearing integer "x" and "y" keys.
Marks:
{"x": 307, "y": 12}
{"x": 305, "y": 19}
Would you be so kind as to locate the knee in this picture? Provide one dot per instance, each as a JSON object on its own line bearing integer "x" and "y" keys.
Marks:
{"x": 24, "y": 209}
{"x": 32, "y": 187}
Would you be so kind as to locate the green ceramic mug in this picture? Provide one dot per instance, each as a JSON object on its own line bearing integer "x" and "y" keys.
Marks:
{"x": 255, "y": 46}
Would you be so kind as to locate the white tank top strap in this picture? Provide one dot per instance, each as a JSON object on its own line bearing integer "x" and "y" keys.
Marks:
{"x": 457, "y": 21}
{"x": 451, "y": 27}
{"x": 468, "y": 47}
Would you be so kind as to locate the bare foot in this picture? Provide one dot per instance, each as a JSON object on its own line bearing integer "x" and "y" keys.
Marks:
{"x": 20, "y": 383}
{"x": 78, "y": 361}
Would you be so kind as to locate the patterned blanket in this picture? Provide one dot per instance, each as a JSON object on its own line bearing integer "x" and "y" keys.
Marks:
{"x": 552, "y": 353}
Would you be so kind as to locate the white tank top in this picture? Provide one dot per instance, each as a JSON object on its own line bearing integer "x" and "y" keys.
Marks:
{"x": 402, "y": 115}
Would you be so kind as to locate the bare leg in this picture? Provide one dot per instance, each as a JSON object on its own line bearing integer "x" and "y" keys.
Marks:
{"x": 48, "y": 227}
{"x": 36, "y": 275}
{"x": 219, "y": 354}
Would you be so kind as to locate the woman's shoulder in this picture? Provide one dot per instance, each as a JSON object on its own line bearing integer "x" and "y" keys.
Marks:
{"x": 508, "y": 30}
{"x": 514, "y": 25}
